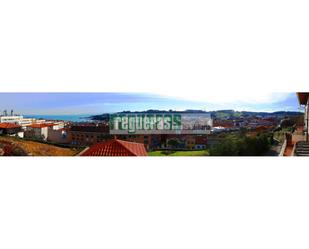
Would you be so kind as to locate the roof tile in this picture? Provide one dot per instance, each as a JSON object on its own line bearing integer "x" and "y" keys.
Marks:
{"x": 9, "y": 125}
{"x": 115, "y": 147}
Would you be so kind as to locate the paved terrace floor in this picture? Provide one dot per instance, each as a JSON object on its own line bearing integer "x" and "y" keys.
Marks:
{"x": 296, "y": 137}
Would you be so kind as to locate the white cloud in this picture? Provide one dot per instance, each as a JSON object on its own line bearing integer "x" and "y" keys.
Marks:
{"x": 225, "y": 97}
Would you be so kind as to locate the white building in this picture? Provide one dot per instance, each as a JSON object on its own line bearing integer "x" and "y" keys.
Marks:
{"x": 39, "y": 131}
{"x": 17, "y": 119}
{"x": 14, "y": 119}
{"x": 43, "y": 130}
{"x": 57, "y": 125}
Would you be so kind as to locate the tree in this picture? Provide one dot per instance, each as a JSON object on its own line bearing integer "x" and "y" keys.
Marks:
{"x": 173, "y": 143}
{"x": 237, "y": 145}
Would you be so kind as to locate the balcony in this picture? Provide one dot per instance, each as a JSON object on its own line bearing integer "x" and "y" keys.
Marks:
{"x": 295, "y": 144}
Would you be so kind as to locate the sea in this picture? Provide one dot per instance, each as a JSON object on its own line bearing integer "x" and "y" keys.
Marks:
{"x": 72, "y": 118}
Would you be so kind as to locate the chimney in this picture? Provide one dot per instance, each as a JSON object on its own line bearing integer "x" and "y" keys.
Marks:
{"x": 5, "y": 113}
{"x": 12, "y": 112}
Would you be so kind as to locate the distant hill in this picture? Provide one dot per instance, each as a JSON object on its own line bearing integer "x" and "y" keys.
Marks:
{"x": 215, "y": 114}
{"x": 231, "y": 113}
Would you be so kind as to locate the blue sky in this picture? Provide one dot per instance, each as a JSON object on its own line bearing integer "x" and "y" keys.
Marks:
{"x": 96, "y": 103}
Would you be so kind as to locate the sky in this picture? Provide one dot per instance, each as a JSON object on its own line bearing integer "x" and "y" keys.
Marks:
{"x": 97, "y": 103}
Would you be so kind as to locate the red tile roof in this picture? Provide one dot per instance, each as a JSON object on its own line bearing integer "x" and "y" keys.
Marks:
{"x": 115, "y": 147}
{"x": 302, "y": 98}
{"x": 41, "y": 125}
{"x": 9, "y": 126}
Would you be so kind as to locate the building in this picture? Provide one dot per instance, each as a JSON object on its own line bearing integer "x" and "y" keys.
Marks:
{"x": 14, "y": 119}
{"x": 303, "y": 101}
{"x": 297, "y": 143}
{"x": 190, "y": 142}
{"x": 116, "y": 147}
{"x": 57, "y": 125}
{"x": 60, "y": 136}
{"x": 38, "y": 131}
{"x": 151, "y": 142}
{"x": 200, "y": 142}
{"x": 19, "y": 119}
{"x": 88, "y": 134}
{"x": 223, "y": 123}
{"x": 11, "y": 130}
{"x": 24, "y": 122}
{"x": 45, "y": 130}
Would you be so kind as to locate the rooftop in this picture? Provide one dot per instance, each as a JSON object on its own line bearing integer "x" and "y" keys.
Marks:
{"x": 302, "y": 98}
{"x": 115, "y": 147}
{"x": 8, "y": 126}
{"x": 41, "y": 125}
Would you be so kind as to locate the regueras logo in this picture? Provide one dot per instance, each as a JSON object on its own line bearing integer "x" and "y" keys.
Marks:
{"x": 158, "y": 123}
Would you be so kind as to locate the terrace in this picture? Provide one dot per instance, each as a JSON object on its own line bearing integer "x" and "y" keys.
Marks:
{"x": 296, "y": 143}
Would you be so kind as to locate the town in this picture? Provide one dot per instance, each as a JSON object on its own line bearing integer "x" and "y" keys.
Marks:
{"x": 23, "y": 136}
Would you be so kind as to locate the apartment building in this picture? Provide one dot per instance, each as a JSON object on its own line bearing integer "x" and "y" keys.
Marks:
{"x": 150, "y": 141}
{"x": 88, "y": 134}
{"x": 60, "y": 136}
{"x": 14, "y": 119}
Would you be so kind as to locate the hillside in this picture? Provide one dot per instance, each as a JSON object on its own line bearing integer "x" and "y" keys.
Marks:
{"x": 29, "y": 148}
{"x": 214, "y": 114}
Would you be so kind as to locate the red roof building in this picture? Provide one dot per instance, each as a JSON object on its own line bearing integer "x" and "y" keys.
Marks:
{"x": 9, "y": 126}
{"x": 115, "y": 147}
{"x": 10, "y": 129}
{"x": 36, "y": 126}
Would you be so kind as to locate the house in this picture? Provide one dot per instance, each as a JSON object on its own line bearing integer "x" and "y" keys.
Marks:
{"x": 39, "y": 131}
{"x": 116, "y": 147}
{"x": 223, "y": 123}
{"x": 11, "y": 129}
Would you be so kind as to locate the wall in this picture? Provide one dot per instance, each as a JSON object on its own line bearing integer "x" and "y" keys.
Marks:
{"x": 58, "y": 136}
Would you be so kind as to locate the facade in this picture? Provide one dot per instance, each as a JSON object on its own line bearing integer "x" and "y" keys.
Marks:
{"x": 58, "y": 125}
{"x": 190, "y": 142}
{"x": 200, "y": 142}
{"x": 14, "y": 119}
{"x": 45, "y": 130}
{"x": 60, "y": 136}
{"x": 85, "y": 135}
{"x": 303, "y": 99}
{"x": 297, "y": 142}
{"x": 38, "y": 131}
{"x": 24, "y": 122}
{"x": 150, "y": 141}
